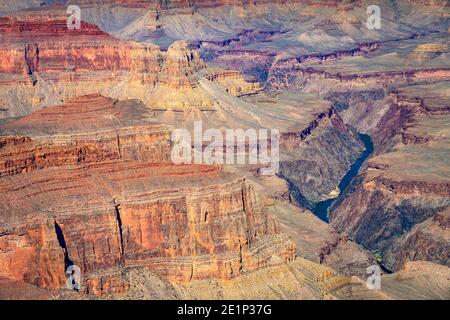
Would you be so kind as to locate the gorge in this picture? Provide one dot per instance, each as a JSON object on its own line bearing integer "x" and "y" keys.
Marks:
{"x": 322, "y": 208}
{"x": 87, "y": 175}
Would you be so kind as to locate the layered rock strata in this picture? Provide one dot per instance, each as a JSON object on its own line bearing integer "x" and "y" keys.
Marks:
{"x": 317, "y": 168}
{"x": 404, "y": 192}
{"x": 103, "y": 199}
{"x": 46, "y": 64}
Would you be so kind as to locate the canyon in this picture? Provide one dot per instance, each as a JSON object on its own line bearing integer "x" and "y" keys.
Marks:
{"x": 87, "y": 178}
{"x": 413, "y": 193}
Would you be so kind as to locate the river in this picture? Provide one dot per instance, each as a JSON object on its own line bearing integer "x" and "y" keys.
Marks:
{"x": 321, "y": 209}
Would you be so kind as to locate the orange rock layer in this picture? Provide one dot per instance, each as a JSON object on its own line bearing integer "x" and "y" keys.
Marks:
{"x": 101, "y": 195}
{"x": 108, "y": 222}
{"x": 34, "y": 44}
{"x": 44, "y": 64}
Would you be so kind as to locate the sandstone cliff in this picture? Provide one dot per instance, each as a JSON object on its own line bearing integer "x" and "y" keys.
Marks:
{"x": 46, "y": 64}
{"x": 100, "y": 195}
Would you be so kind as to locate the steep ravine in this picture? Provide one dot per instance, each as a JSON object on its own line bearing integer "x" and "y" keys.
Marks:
{"x": 321, "y": 209}
{"x": 398, "y": 207}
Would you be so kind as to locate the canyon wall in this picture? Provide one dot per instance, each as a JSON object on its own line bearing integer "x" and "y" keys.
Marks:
{"x": 315, "y": 172}
{"x": 320, "y": 81}
{"x": 47, "y": 64}
{"x": 103, "y": 199}
{"x": 403, "y": 193}
{"x": 218, "y": 231}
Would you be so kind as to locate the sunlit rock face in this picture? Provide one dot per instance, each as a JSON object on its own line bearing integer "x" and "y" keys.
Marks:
{"x": 179, "y": 64}
{"x": 107, "y": 184}
{"x": 47, "y": 64}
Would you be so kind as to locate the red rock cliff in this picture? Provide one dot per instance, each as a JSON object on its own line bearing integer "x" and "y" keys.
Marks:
{"x": 102, "y": 195}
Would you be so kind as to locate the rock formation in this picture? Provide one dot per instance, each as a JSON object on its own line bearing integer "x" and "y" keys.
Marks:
{"x": 395, "y": 203}
{"x": 312, "y": 176}
{"x": 46, "y": 64}
{"x": 99, "y": 195}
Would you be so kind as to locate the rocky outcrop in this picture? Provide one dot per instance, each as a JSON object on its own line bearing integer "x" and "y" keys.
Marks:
{"x": 404, "y": 192}
{"x": 103, "y": 199}
{"x": 45, "y": 44}
{"x": 46, "y": 64}
{"x": 426, "y": 241}
{"x": 178, "y": 86}
{"x": 233, "y": 82}
{"x": 180, "y": 66}
{"x": 81, "y": 132}
{"x": 317, "y": 169}
{"x": 320, "y": 81}
{"x": 218, "y": 231}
